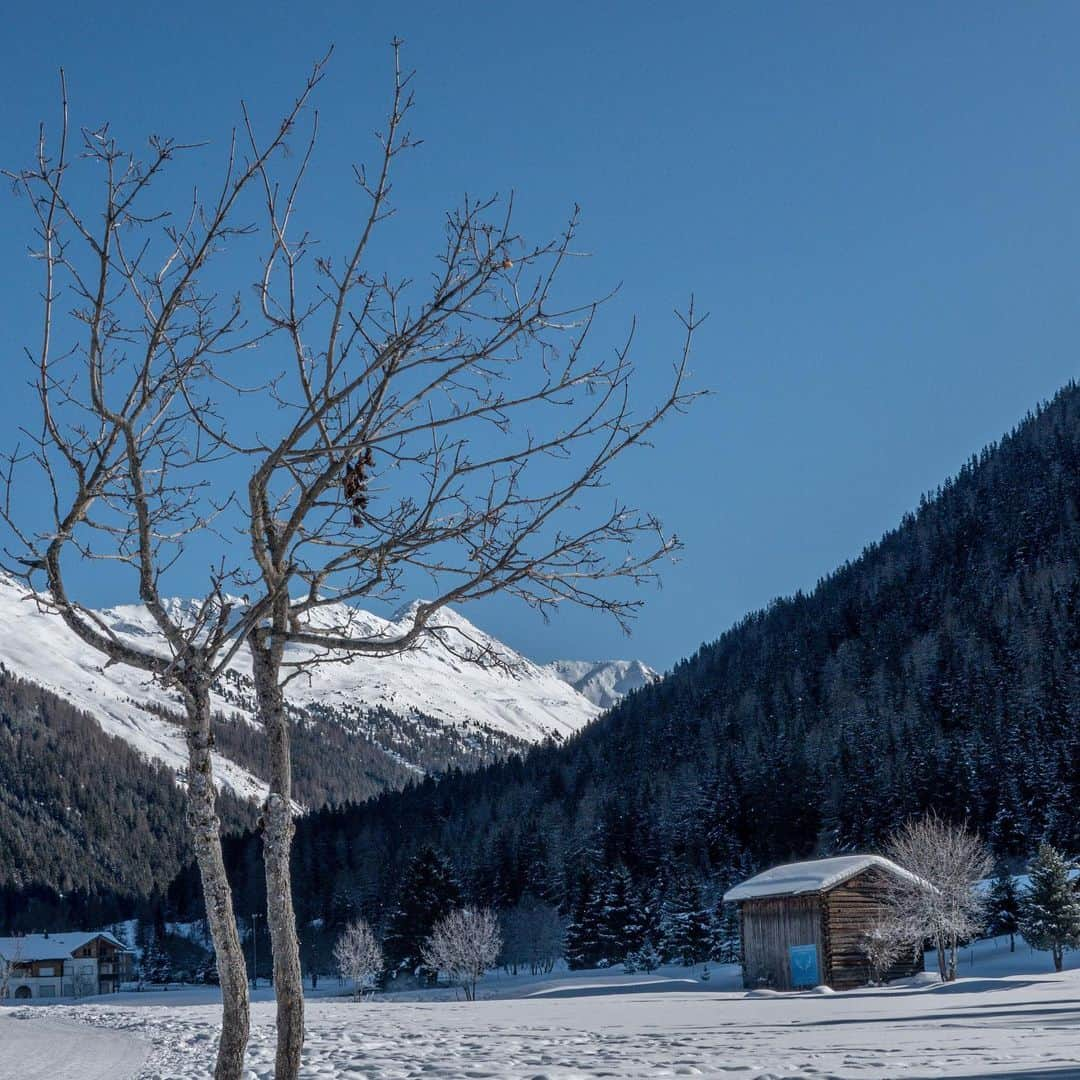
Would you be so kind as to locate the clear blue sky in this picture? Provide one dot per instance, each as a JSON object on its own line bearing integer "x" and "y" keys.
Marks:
{"x": 878, "y": 204}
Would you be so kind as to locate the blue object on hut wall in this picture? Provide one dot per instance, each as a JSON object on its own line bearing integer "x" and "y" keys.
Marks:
{"x": 804, "y": 965}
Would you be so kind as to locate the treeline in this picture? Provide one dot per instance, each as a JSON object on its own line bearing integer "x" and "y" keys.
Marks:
{"x": 937, "y": 671}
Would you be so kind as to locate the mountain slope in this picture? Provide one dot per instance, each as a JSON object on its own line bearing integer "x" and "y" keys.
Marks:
{"x": 396, "y": 703}
{"x": 81, "y": 811}
{"x": 940, "y": 669}
{"x": 361, "y": 726}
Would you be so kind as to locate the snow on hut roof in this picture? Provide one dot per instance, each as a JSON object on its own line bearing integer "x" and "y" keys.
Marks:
{"x": 50, "y": 946}
{"x": 820, "y": 875}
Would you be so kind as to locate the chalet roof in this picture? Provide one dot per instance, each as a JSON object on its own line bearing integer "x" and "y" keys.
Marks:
{"x": 820, "y": 875}
{"x": 50, "y": 946}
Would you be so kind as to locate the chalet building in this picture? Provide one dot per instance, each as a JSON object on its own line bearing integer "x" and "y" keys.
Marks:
{"x": 802, "y": 924}
{"x": 62, "y": 965}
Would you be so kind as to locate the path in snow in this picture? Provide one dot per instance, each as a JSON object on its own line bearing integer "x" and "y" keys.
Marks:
{"x": 45, "y": 1049}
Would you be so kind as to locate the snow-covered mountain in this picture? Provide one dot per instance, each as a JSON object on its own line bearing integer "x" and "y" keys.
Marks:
{"x": 507, "y": 698}
{"x": 604, "y": 682}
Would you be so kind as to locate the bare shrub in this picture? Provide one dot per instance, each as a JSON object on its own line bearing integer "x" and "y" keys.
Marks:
{"x": 359, "y": 956}
{"x": 883, "y": 943}
{"x": 463, "y": 946}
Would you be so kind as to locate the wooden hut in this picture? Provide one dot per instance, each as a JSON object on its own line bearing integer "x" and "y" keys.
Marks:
{"x": 802, "y": 924}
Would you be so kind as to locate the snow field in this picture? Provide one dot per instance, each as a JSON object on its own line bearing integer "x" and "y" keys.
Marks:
{"x": 1005, "y": 1017}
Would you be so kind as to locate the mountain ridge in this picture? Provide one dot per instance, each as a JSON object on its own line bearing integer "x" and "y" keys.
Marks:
{"x": 604, "y": 682}
{"x": 500, "y": 706}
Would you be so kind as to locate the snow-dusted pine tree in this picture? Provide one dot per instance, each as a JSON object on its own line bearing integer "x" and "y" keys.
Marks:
{"x": 155, "y": 966}
{"x": 1003, "y": 908}
{"x": 622, "y": 930}
{"x": 585, "y": 938}
{"x": 726, "y": 937}
{"x": 688, "y": 925}
{"x": 1050, "y": 906}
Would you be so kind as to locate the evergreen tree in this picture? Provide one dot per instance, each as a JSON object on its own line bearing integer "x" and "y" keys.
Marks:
{"x": 585, "y": 934}
{"x": 208, "y": 971}
{"x": 155, "y": 966}
{"x": 1003, "y": 909}
{"x": 428, "y": 892}
{"x": 644, "y": 959}
{"x": 687, "y": 925}
{"x": 1050, "y": 906}
{"x": 726, "y": 938}
{"x": 623, "y": 930}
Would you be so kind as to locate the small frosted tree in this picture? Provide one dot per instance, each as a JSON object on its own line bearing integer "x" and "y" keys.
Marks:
{"x": 463, "y": 946}
{"x": 883, "y": 943}
{"x": 645, "y": 959}
{"x": 359, "y": 956}
{"x": 1050, "y": 906}
{"x": 939, "y": 900}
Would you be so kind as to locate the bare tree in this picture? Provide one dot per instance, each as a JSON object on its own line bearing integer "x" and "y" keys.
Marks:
{"x": 455, "y": 434}
{"x": 10, "y": 962}
{"x": 132, "y": 346}
{"x": 359, "y": 956}
{"x": 939, "y": 901}
{"x": 463, "y": 946}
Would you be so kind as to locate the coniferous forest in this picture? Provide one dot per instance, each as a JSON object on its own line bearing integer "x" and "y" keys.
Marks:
{"x": 940, "y": 669}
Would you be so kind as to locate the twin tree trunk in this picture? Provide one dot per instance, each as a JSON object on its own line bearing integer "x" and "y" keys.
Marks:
{"x": 205, "y": 828}
{"x": 277, "y": 825}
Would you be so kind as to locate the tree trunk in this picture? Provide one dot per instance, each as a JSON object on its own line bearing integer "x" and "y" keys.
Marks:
{"x": 1012, "y": 943}
{"x": 941, "y": 957}
{"x": 1059, "y": 958}
{"x": 205, "y": 828}
{"x": 278, "y": 830}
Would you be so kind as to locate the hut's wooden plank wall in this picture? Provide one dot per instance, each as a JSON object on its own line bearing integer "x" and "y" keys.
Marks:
{"x": 849, "y": 911}
{"x": 769, "y": 927}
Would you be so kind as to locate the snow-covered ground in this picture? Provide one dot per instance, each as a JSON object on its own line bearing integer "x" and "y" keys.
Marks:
{"x": 1007, "y": 1016}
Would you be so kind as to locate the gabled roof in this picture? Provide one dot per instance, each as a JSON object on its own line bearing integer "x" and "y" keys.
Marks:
{"x": 50, "y": 946}
{"x": 818, "y": 876}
